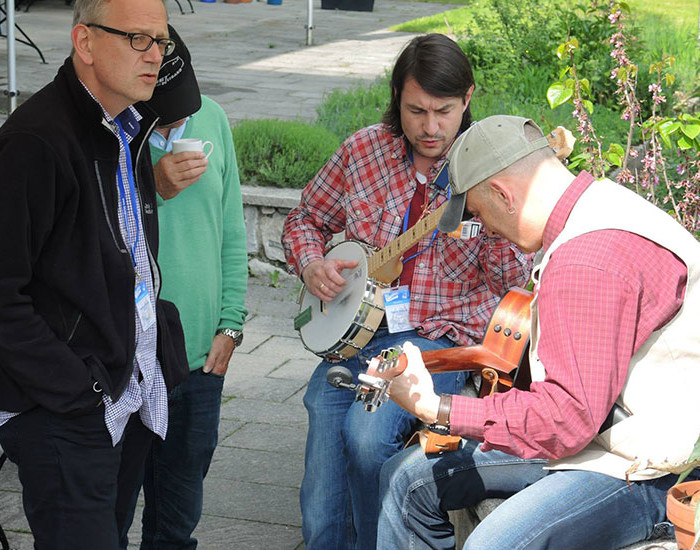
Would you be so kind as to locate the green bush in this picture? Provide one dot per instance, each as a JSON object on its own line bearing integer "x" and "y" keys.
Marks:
{"x": 345, "y": 112}
{"x": 281, "y": 153}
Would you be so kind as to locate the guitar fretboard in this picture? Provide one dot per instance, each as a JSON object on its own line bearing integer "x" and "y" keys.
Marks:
{"x": 406, "y": 240}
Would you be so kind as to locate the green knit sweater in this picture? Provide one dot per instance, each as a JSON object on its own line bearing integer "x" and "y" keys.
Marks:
{"x": 203, "y": 256}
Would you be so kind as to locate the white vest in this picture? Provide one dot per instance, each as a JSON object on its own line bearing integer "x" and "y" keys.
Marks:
{"x": 662, "y": 389}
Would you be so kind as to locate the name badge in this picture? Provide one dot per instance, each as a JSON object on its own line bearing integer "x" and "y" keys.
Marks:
{"x": 144, "y": 308}
{"x": 396, "y": 305}
{"x": 466, "y": 230}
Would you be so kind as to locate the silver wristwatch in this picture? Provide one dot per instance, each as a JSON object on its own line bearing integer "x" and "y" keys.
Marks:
{"x": 236, "y": 335}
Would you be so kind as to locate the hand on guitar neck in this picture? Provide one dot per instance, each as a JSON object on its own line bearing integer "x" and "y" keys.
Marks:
{"x": 322, "y": 277}
{"x": 411, "y": 386}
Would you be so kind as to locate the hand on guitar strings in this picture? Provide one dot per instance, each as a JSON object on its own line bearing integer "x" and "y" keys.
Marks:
{"x": 413, "y": 390}
{"x": 323, "y": 279}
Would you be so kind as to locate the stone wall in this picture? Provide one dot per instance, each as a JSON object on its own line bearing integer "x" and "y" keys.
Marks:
{"x": 264, "y": 210}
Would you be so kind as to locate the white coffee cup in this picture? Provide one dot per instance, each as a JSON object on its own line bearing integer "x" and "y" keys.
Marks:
{"x": 191, "y": 144}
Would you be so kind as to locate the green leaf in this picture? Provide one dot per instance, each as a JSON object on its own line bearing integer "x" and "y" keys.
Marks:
{"x": 614, "y": 158}
{"x": 668, "y": 127}
{"x": 558, "y": 94}
{"x": 670, "y": 79}
{"x": 691, "y": 130}
{"x": 684, "y": 143}
{"x": 667, "y": 141}
{"x": 625, "y": 7}
{"x": 563, "y": 72}
{"x": 588, "y": 105}
{"x": 616, "y": 148}
{"x": 585, "y": 85}
{"x": 686, "y": 117}
{"x": 562, "y": 51}
{"x": 622, "y": 74}
{"x": 576, "y": 161}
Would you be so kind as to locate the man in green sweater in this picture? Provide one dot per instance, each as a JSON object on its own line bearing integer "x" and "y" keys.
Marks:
{"x": 203, "y": 260}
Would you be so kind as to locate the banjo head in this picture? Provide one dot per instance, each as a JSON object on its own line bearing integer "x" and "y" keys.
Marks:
{"x": 333, "y": 322}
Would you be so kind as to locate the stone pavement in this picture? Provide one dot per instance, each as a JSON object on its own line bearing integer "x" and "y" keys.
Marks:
{"x": 253, "y": 59}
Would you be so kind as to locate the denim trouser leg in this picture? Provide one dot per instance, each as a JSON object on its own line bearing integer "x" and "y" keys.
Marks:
{"x": 547, "y": 510}
{"x": 175, "y": 471}
{"x": 346, "y": 447}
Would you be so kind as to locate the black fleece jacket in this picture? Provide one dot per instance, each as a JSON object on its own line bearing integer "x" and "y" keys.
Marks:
{"x": 66, "y": 277}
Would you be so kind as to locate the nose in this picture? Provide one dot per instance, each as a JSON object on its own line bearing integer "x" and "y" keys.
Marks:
{"x": 431, "y": 124}
{"x": 153, "y": 55}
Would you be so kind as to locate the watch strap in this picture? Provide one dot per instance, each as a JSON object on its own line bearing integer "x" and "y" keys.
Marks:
{"x": 442, "y": 422}
{"x": 236, "y": 335}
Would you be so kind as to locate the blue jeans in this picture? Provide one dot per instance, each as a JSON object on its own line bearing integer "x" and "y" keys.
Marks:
{"x": 176, "y": 467}
{"x": 545, "y": 509}
{"x": 346, "y": 447}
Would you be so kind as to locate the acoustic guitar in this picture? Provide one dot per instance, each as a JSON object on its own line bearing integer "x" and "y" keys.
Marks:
{"x": 501, "y": 359}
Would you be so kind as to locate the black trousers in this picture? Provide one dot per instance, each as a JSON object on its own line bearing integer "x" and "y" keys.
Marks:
{"x": 70, "y": 475}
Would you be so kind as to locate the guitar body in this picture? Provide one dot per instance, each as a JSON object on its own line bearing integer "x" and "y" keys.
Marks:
{"x": 502, "y": 356}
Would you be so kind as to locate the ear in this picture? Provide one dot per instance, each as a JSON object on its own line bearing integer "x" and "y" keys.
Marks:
{"x": 82, "y": 43}
{"x": 502, "y": 194}
{"x": 468, "y": 97}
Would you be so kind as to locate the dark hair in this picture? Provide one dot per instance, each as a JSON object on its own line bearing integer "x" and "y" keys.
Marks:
{"x": 439, "y": 66}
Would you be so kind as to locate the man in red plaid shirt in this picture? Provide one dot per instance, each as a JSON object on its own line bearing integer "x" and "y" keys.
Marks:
{"x": 379, "y": 183}
{"x": 614, "y": 317}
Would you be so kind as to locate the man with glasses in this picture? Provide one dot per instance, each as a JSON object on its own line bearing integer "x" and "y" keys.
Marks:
{"x": 84, "y": 340}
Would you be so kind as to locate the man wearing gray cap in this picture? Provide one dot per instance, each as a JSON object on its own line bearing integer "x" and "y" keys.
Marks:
{"x": 615, "y": 308}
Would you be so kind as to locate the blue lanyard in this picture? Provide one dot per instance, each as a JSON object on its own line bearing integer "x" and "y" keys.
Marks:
{"x": 132, "y": 193}
{"x": 441, "y": 181}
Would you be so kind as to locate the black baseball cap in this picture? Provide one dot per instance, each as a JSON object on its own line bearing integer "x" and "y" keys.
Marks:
{"x": 176, "y": 95}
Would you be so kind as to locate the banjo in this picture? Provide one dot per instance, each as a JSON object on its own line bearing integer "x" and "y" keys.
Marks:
{"x": 341, "y": 328}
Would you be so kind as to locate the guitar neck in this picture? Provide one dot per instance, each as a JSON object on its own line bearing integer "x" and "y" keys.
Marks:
{"x": 406, "y": 240}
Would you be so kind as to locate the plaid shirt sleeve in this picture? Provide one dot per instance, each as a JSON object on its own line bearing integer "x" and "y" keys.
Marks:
{"x": 320, "y": 214}
{"x": 504, "y": 266}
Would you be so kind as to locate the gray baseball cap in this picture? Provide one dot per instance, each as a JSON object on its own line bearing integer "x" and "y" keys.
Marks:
{"x": 484, "y": 149}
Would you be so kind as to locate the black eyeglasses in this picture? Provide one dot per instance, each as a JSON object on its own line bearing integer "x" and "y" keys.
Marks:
{"x": 139, "y": 41}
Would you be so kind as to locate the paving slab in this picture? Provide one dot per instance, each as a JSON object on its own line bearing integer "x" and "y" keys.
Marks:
{"x": 265, "y": 412}
{"x": 265, "y": 503}
{"x": 283, "y": 440}
{"x": 252, "y": 465}
{"x": 268, "y": 388}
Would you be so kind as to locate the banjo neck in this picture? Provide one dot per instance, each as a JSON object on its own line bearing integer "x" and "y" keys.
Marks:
{"x": 382, "y": 265}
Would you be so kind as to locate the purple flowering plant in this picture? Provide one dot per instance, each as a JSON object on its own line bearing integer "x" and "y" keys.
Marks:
{"x": 661, "y": 157}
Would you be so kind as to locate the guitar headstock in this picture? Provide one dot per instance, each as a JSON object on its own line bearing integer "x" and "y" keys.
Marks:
{"x": 389, "y": 363}
{"x": 561, "y": 141}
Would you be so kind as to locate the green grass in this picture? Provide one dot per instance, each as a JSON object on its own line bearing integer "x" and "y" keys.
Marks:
{"x": 459, "y": 21}
{"x": 665, "y": 27}
{"x": 676, "y": 12}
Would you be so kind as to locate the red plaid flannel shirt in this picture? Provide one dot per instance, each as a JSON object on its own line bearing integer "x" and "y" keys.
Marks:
{"x": 365, "y": 190}
{"x": 601, "y": 296}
